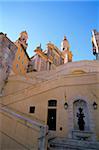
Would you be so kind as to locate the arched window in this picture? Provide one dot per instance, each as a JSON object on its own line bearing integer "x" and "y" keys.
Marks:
{"x": 52, "y": 103}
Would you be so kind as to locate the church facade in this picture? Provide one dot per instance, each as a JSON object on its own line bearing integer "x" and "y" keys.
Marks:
{"x": 66, "y": 99}
{"x": 50, "y": 58}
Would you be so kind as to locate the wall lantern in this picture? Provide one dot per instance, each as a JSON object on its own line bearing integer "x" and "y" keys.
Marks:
{"x": 95, "y": 105}
{"x": 65, "y": 105}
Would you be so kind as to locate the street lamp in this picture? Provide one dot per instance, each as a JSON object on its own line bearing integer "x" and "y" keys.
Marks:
{"x": 65, "y": 104}
{"x": 95, "y": 105}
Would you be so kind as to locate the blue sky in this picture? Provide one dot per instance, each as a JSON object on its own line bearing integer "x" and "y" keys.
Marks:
{"x": 49, "y": 21}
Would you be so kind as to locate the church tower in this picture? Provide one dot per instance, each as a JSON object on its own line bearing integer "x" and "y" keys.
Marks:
{"x": 22, "y": 59}
{"x": 65, "y": 47}
{"x": 23, "y": 37}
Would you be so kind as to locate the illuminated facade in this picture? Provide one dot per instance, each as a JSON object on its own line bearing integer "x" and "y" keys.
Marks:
{"x": 21, "y": 58}
{"x": 56, "y": 95}
{"x": 51, "y": 57}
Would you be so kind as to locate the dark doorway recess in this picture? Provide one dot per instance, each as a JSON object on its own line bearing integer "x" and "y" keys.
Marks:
{"x": 51, "y": 121}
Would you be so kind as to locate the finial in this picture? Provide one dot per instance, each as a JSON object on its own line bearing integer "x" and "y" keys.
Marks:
{"x": 40, "y": 45}
{"x": 65, "y": 37}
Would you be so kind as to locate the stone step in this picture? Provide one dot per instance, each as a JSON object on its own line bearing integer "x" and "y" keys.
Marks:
{"x": 71, "y": 144}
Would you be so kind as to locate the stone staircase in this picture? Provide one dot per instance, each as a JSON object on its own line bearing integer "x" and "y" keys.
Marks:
{"x": 72, "y": 144}
{"x": 19, "y": 131}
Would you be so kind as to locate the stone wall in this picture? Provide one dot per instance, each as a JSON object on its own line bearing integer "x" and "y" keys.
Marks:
{"x": 78, "y": 80}
{"x": 7, "y": 54}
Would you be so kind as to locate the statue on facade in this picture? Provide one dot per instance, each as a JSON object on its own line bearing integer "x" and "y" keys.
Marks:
{"x": 81, "y": 122}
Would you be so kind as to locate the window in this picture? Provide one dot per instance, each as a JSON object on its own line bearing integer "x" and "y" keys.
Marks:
{"x": 49, "y": 65}
{"x": 1, "y": 42}
{"x": 22, "y": 62}
{"x": 9, "y": 46}
{"x": 21, "y": 49}
{"x": 32, "y": 109}
{"x": 16, "y": 65}
{"x": 19, "y": 57}
{"x": 52, "y": 103}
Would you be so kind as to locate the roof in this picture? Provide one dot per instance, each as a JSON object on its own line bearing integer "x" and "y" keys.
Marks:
{"x": 55, "y": 48}
{"x": 5, "y": 35}
{"x": 26, "y": 53}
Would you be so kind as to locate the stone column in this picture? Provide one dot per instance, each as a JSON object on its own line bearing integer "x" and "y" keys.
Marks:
{"x": 47, "y": 63}
{"x": 35, "y": 64}
{"x": 70, "y": 119}
{"x": 43, "y": 138}
{"x": 91, "y": 122}
{"x": 39, "y": 64}
{"x": 97, "y": 56}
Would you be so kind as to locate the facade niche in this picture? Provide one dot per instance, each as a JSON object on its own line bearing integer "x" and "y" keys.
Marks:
{"x": 80, "y": 115}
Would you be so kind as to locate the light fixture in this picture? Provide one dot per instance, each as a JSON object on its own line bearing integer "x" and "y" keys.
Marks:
{"x": 95, "y": 105}
{"x": 65, "y": 105}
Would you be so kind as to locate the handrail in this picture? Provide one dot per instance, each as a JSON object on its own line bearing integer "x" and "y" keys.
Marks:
{"x": 42, "y": 145}
{"x": 22, "y": 117}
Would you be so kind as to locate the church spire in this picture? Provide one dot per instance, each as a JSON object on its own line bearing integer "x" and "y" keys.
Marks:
{"x": 65, "y": 44}
{"x": 65, "y": 47}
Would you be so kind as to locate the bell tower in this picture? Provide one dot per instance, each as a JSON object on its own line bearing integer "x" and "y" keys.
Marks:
{"x": 65, "y": 44}
{"x": 23, "y": 37}
{"x": 65, "y": 47}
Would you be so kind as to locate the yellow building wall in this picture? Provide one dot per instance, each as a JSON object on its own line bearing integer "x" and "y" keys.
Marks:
{"x": 21, "y": 61}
